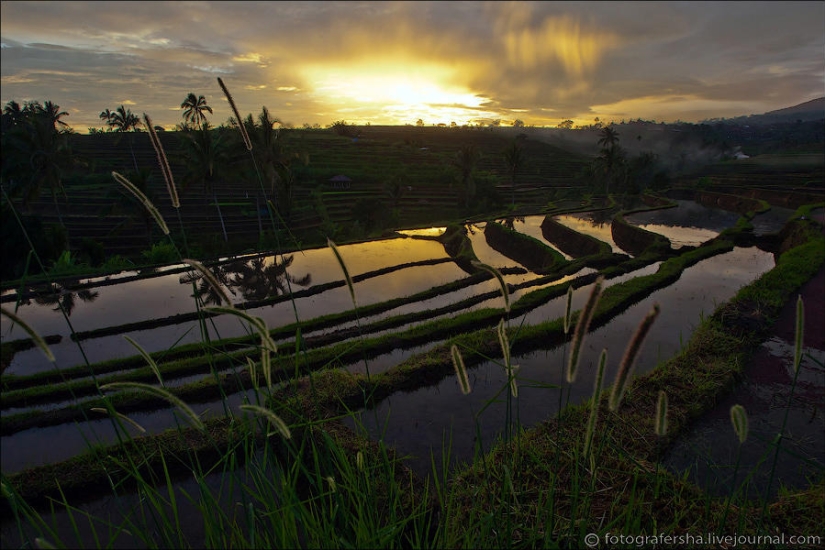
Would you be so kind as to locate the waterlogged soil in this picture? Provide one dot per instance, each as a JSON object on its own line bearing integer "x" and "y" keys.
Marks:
{"x": 710, "y": 450}
{"x": 433, "y": 419}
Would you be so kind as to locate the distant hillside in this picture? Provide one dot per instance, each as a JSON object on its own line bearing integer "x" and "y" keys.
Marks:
{"x": 806, "y": 112}
{"x": 816, "y": 106}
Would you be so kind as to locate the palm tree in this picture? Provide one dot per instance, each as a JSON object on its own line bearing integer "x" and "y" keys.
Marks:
{"x": 207, "y": 161}
{"x": 36, "y": 155}
{"x": 123, "y": 120}
{"x": 194, "y": 107}
{"x": 514, "y": 158}
{"x": 465, "y": 160}
{"x": 54, "y": 114}
{"x": 609, "y": 137}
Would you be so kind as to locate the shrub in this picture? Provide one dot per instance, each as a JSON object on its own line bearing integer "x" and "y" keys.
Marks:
{"x": 161, "y": 253}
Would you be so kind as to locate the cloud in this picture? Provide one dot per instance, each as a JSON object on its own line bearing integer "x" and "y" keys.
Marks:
{"x": 548, "y": 61}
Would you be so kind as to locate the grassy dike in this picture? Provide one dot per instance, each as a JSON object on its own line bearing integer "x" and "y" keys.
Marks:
{"x": 541, "y": 477}
{"x": 340, "y": 390}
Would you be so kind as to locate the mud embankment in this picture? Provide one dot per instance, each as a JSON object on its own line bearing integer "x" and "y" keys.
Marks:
{"x": 572, "y": 242}
{"x": 529, "y": 252}
{"x": 635, "y": 240}
{"x": 740, "y": 204}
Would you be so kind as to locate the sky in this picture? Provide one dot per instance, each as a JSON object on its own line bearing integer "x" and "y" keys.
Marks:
{"x": 400, "y": 62}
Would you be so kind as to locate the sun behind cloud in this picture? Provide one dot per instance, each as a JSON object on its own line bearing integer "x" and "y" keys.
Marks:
{"x": 396, "y": 91}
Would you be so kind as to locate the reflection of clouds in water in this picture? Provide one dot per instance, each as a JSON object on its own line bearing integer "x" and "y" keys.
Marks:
{"x": 584, "y": 223}
{"x": 681, "y": 236}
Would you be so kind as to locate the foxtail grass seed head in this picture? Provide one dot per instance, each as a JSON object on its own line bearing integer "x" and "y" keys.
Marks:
{"x": 340, "y": 260}
{"x": 460, "y": 370}
{"x": 238, "y": 119}
{"x": 273, "y": 419}
{"x": 800, "y": 332}
{"x": 143, "y": 199}
{"x": 161, "y": 393}
{"x": 660, "y": 426}
{"x": 266, "y": 366}
{"x": 123, "y": 417}
{"x": 582, "y": 326}
{"x": 36, "y": 338}
{"x": 568, "y": 311}
{"x": 332, "y": 486}
{"x": 258, "y": 323}
{"x": 211, "y": 279}
{"x": 359, "y": 461}
{"x": 162, "y": 162}
{"x": 594, "y": 407}
{"x": 501, "y": 330}
{"x": 505, "y": 292}
{"x": 147, "y": 357}
{"x": 629, "y": 358}
{"x": 739, "y": 419}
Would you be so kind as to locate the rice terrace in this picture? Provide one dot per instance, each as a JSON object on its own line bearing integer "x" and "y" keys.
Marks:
{"x": 412, "y": 336}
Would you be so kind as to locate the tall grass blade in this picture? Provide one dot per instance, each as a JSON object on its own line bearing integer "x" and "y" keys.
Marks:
{"x": 162, "y": 161}
{"x": 739, "y": 419}
{"x": 121, "y": 416}
{"x": 501, "y": 330}
{"x": 460, "y": 370}
{"x": 238, "y": 119}
{"x": 147, "y": 357}
{"x": 157, "y": 392}
{"x": 800, "y": 329}
{"x": 273, "y": 419}
{"x": 594, "y": 408}
{"x": 36, "y": 338}
{"x": 143, "y": 199}
{"x": 257, "y": 322}
{"x": 210, "y": 278}
{"x": 629, "y": 358}
{"x": 340, "y": 260}
{"x": 660, "y": 426}
{"x": 505, "y": 292}
{"x": 582, "y": 326}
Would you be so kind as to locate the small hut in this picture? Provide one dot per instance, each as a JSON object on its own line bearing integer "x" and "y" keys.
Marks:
{"x": 340, "y": 182}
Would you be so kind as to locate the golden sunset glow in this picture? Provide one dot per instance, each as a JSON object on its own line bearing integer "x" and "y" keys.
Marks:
{"x": 396, "y": 91}
{"x": 396, "y": 63}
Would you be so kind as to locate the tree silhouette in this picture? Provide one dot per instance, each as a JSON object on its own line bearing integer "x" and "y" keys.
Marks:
{"x": 465, "y": 161}
{"x": 194, "y": 108}
{"x": 122, "y": 120}
{"x": 514, "y": 158}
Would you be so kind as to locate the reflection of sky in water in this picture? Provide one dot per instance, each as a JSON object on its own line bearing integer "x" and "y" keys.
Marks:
{"x": 584, "y": 223}
{"x": 681, "y": 303}
{"x": 165, "y": 295}
{"x": 771, "y": 221}
{"x": 426, "y": 232}
{"x": 419, "y": 419}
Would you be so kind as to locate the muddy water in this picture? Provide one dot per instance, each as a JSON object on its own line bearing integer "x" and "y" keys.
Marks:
{"x": 420, "y": 421}
{"x": 709, "y": 451}
{"x": 688, "y": 224}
